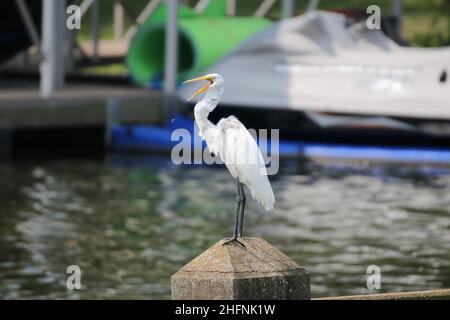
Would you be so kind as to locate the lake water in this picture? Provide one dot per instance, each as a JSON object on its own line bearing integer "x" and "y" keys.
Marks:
{"x": 129, "y": 224}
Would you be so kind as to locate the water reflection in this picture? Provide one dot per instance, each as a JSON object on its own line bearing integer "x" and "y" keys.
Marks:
{"x": 129, "y": 227}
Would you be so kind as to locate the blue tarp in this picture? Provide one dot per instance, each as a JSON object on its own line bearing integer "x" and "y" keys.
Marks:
{"x": 151, "y": 138}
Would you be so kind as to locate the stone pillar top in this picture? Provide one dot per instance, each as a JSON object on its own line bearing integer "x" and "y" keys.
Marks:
{"x": 258, "y": 271}
{"x": 257, "y": 256}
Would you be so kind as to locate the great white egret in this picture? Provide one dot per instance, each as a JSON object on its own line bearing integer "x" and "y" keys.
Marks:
{"x": 232, "y": 142}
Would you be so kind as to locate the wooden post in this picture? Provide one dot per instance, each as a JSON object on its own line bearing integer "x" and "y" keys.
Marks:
{"x": 258, "y": 271}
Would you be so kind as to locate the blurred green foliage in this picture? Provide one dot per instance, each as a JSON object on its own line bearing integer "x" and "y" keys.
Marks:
{"x": 426, "y": 23}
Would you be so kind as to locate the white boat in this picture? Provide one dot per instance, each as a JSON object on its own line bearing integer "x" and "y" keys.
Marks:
{"x": 322, "y": 75}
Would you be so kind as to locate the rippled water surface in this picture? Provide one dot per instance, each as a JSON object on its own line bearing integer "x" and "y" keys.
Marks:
{"x": 129, "y": 227}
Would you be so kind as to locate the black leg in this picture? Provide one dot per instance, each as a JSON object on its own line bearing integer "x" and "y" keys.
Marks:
{"x": 242, "y": 209}
{"x": 239, "y": 202}
{"x": 238, "y": 209}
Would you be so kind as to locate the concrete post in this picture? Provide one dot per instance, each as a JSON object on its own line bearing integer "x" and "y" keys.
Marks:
{"x": 259, "y": 271}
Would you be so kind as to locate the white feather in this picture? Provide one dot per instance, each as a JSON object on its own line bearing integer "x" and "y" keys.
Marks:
{"x": 230, "y": 140}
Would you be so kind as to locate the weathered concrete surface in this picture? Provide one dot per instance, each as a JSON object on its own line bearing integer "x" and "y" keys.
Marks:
{"x": 260, "y": 271}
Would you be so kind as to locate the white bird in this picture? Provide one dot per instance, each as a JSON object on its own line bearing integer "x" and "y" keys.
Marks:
{"x": 232, "y": 142}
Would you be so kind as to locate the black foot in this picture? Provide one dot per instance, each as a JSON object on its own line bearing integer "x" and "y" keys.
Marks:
{"x": 234, "y": 239}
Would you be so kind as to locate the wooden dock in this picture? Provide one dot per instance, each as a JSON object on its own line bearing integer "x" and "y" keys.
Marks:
{"x": 78, "y": 105}
{"x": 80, "y": 109}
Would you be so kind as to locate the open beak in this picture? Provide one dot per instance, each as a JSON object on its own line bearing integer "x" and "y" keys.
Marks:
{"x": 203, "y": 89}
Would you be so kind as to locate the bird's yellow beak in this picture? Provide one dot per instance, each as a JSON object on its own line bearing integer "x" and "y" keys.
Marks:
{"x": 204, "y": 88}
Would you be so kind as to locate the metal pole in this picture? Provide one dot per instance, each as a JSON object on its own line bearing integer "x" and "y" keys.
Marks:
{"x": 398, "y": 12}
{"x": 148, "y": 10}
{"x": 264, "y": 7}
{"x": 171, "y": 48}
{"x": 118, "y": 19}
{"x": 53, "y": 28}
{"x": 95, "y": 16}
{"x": 29, "y": 23}
{"x": 287, "y": 9}
{"x": 84, "y": 6}
{"x": 312, "y": 5}
{"x": 231, "y": 8}
{"x": 201, "y": 6}
{"x": 68, "y": 49}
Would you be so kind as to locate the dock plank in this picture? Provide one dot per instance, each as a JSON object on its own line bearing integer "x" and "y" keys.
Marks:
{"x": 78, "y": 105}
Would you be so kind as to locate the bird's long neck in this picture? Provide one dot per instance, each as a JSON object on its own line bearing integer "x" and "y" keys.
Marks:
{"x": 204, "y": 107}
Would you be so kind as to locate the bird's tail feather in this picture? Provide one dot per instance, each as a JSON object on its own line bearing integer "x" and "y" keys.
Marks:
{"x": 265, "y": 197}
